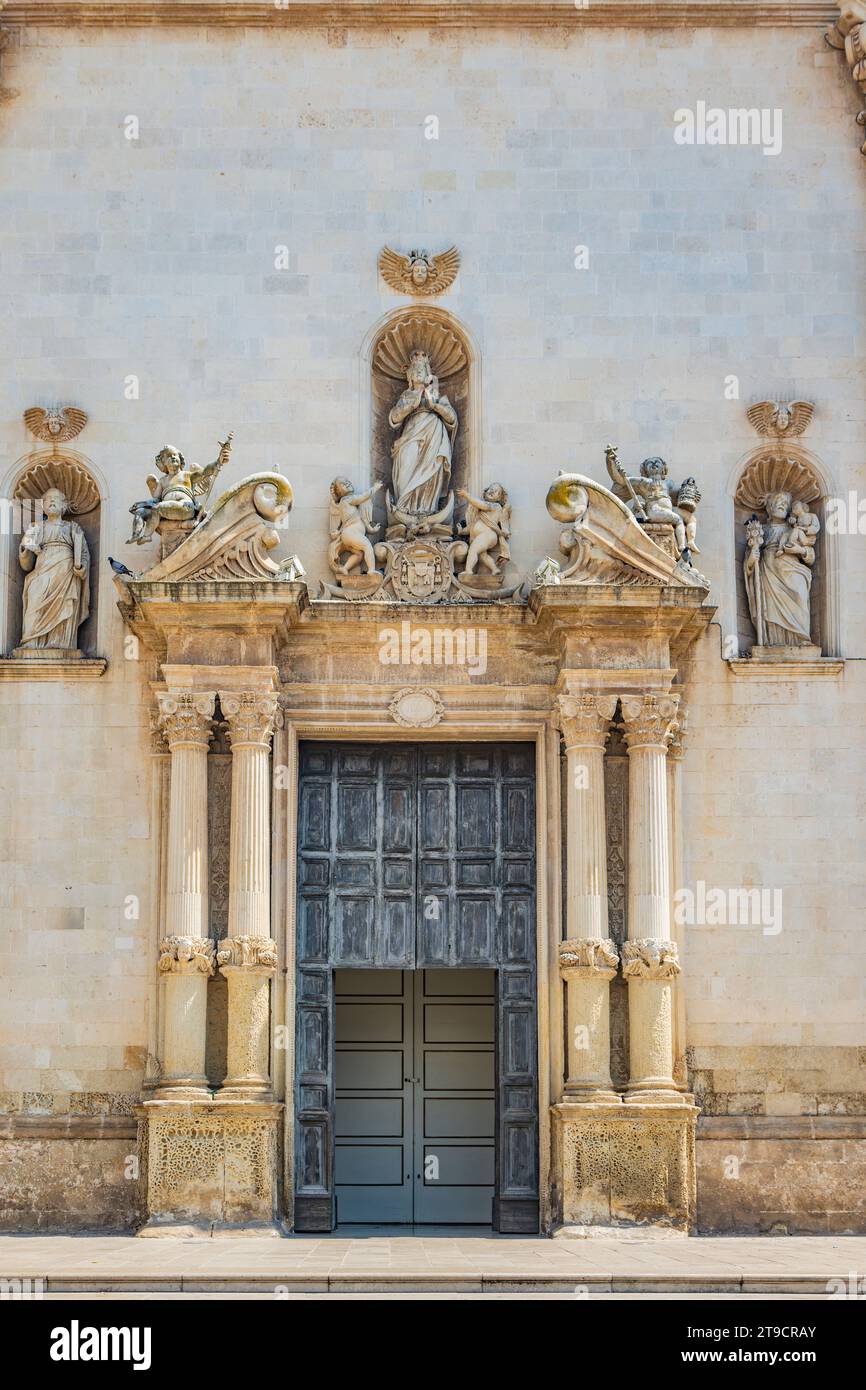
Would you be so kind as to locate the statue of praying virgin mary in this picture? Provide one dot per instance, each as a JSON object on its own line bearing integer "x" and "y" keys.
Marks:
{"x": 421, "y": 454}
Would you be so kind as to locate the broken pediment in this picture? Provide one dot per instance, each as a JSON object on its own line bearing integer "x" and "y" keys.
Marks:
{"x": 605, "y": 544}
{"x": 234, "y": 539}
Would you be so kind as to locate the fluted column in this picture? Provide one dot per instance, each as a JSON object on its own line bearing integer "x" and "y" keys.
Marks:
{"x": 248, "y": 955}
{"x": 650, "y": 960}
{"x": 588, "y": 958}
{"x": 676, "y": 752}
{"x": 186, "y": 954}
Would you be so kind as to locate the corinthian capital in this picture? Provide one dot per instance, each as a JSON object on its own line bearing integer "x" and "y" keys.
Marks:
{"x": 185, "y": 716}
{"x": 582, "y": 957}
{"x": 259, "y": 952}
{"x": 585, "y": 719}
{"x": 648, "y": 720}
{"x": 186, "y": 955}
{"x": 648, "y": 959}
{"x": 250, "y": 716}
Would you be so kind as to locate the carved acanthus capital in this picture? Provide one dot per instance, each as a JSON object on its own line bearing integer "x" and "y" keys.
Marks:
{"x": 585, "y": 957}
{"x": 647, "y": 959}
{"x": 648, "y": 720}
{"x": 251, "y": 952}
{"x": 185, "y": 717}
{"x": 585, "y": 719}
{"x": 250, "y": 716}
{"x": 186, "y": 955}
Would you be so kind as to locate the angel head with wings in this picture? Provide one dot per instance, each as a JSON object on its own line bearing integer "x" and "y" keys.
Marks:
{"x": 57, "y": 425}
{"x": 419, "y": 273}
{"x": 780, "y": 418}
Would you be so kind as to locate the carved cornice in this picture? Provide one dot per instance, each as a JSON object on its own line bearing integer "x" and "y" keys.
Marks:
{"x": 647, "y": 959}
{"x": 249, "y": 717}
{"x": 185, "y": 717}
{"x": 426, "y": 14}
{"x": 848, "y": 32}
{"x": 587, "y": 957}
{"x": 585, "y": 719}
{"x": 186, "y": 955}
{"x": 250, "y": 952}
{"x": 649, "y": 720}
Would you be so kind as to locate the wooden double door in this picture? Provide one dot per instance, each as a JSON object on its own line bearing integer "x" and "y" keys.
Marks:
{"x": 416, "y": 896}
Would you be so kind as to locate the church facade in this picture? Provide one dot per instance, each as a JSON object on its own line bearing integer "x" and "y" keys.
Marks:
{"x": 442, "y": 804}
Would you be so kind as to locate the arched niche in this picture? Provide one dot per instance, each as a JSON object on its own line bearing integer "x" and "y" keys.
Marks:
{"x": 454, "y": 358}
{"x": 29, "y": 480}
{"x": 798, "y": 472}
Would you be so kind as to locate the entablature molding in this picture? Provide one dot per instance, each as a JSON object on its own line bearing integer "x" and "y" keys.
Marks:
{"x": 424, "y": 14}
{"x": 617, "y": 639}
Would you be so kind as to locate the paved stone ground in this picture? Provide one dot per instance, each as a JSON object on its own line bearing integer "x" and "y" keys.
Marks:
{"x": 445, "y": 1262}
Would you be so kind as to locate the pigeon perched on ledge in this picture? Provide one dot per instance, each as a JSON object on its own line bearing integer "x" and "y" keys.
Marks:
{"x": 119, "y": 568}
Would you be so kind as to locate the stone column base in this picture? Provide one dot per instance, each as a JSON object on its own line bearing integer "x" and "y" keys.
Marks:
{"x": 209, "y": 1168}
{"x": 618, "y": 1167}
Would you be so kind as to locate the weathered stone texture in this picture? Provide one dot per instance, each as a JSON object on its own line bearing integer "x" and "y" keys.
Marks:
{"x": 69, "y": 1184}
{"x": 790, "y": 1183}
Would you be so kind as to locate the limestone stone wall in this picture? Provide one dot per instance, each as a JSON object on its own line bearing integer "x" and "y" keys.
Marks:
{"x": 154, "y": 259}
{"x": 781, "y": 1177}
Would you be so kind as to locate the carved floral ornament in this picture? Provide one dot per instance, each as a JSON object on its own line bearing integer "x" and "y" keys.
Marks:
{"x": 584, "y": 957}
{"x": 250, "y": 717}
{"x": 250, "y": 952}
{"x": 185, "y": 716}
{"x": 416, "y": 707}
{"x": 585, "y": 719}
{"x": 649, "y": 721}
{"x": 647, "y": 959}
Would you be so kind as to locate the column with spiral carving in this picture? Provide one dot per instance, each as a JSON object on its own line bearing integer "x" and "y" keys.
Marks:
{"x": 248, "y": 957}
{"x": 186, "y": 954}
{"x": 587, "y": 958}
{"x": 650, "y": 957}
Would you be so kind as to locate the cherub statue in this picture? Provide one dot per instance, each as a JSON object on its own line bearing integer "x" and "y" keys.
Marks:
{"x": 805, "y": 527}
{"x": 350, "y": 521}
{"x": 653, "y": 498}
{"x": 488, "y": 527}
{"x": 174, "y": 496}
